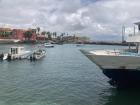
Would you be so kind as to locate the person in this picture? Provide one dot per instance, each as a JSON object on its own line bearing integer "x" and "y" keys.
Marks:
{"x": 31, "y": 58}
{"x": 9, "y": 57}
{"x": 34, "y": 58}
{"x": 2, "y": 55}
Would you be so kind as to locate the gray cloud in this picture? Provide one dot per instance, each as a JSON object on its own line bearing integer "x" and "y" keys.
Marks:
{"x": 94, "y": 18}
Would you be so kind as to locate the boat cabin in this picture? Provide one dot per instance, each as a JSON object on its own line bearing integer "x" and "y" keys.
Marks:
{"x": 135, "y": 37}
{"x": 16, "y": 50}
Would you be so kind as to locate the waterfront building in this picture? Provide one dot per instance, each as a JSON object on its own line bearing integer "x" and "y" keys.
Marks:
{"x": 5, "y": 33}
{"x": 18, "y": 34}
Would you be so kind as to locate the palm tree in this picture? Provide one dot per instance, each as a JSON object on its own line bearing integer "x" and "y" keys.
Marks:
{"x": 34, "y": 31}
{"x": 38, "y": 30}
{"x": 43, "y": 33}
{"x": 7, "y": 34}
{"x": 28, "y": 35}
{"x": 62, "y": 35}
{"x": 55, "y": 34}
{"x": 49, "y": 35}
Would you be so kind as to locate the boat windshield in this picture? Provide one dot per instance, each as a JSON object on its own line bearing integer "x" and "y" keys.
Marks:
{"x": 14, "y": 50}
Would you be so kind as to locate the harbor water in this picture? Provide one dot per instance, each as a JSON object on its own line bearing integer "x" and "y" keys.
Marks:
{"x": 64, "y": 77}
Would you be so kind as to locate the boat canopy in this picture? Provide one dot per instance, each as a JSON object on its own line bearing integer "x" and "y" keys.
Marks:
{"x": 137, "y": 23}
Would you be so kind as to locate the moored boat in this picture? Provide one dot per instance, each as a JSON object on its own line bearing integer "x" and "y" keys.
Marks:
{"x": 121, "y": 66}
{"x": 38, "y": 54}
{"x": 48, "y": 45}
{"x": 3, "y": 56}
{"x": 17, "y": 52}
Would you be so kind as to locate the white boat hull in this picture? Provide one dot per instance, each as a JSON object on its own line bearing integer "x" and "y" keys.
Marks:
{"x": 22, "y": 55}
{"x": 48, "y": 45}
{"x": 37, "y": 55}
{"x": 123, "y": 70}
{"x": 114, "y": 61}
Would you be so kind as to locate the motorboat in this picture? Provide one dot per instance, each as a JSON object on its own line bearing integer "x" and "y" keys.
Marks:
{"x": 17, "y": 52}
{"x": 3, "y": 56}
{"x": 48, "y": 45}
{"x": 38, "y": 54}
{"x": 122, "y": 67}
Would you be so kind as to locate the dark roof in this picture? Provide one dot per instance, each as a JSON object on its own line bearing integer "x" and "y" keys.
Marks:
{"x": 137, "y": 23}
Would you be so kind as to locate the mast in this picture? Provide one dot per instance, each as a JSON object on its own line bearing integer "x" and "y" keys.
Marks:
{"x": 123, "y": 33}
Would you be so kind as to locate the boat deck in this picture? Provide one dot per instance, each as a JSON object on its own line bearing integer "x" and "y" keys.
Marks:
{"x": 113, "y": 53}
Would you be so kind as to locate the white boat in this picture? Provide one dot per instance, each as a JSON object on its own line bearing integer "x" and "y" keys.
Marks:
{"x": 17, "y": 52}
{"x": 37, "y": 54}
{"x": 121, "y": 66}
{"x": 48, "y": 45}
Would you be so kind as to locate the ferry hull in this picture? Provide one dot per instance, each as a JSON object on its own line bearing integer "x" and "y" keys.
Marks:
{"x": 123, "y": 78}
{"x": 114, "y": 62}
{"x": 121, "y": 70}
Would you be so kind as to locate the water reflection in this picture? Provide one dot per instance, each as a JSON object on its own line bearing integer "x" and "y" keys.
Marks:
{"x": 123, "y": 97}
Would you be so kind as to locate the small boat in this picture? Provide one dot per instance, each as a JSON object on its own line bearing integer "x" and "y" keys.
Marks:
{"x": 17, "y": 52}
{"x": 3, "y": 56}
{"x": 48, "y": 45}
{"x": 37, "y": 55}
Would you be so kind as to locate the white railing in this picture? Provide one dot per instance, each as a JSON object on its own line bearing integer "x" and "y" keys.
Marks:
{"x": 133, "y": 38}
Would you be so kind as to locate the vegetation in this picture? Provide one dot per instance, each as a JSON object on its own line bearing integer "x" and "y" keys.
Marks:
{"x": 54, "y": 34}
{"x": 49, "y": 35}
{"x": 28, "y": 35}
{"x": 43, "y": 33}
{"x": 35, "y": 35}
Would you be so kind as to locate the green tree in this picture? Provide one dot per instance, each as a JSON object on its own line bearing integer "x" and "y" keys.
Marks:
{"x": 49, "y": 35}
{"x": 28, "y": 35}
{"x": 43, "y": 33}
{"x": 34, "y": 31}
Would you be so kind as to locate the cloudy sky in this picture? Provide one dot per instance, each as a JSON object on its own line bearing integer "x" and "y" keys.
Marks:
{"x": 98, "y": 19}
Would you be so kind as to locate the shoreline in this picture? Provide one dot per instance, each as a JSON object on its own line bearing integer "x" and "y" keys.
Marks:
{"x": 57, "y": 42}
{"x": 119, "y": 44}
